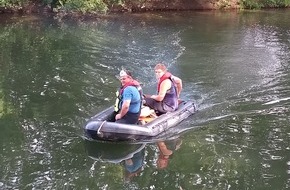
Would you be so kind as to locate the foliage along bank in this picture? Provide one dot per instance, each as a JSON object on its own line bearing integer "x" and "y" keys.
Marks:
{"x": 105, "y": 6}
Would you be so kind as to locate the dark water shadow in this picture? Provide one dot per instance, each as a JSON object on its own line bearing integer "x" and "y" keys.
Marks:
{"x": 111, "y": 152}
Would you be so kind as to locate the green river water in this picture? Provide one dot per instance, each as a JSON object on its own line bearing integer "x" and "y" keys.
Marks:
{"x": 55, "y": 75}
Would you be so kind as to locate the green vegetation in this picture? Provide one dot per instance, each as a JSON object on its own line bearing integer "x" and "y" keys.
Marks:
{"x": 12, "y": 3}
{"x": 258, "y": 4}
{"x": 102, "y": 6}
{"x": 83, "y": 6}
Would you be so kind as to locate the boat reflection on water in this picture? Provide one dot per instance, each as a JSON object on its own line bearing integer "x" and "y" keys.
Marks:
{"x": 112, "y": 152}
{"x": 132, "y": 156}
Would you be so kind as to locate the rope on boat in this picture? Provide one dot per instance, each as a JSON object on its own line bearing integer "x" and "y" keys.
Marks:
{"x": 192, "y": 111}
{"x": 99, "y": 130}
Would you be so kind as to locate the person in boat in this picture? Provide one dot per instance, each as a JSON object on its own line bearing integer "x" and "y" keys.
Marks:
{"x": 168, "y": 91}
{"x": 129, "y": 99}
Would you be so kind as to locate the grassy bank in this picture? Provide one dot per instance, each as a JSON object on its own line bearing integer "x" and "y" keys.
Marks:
{"x": 105, "y": 6}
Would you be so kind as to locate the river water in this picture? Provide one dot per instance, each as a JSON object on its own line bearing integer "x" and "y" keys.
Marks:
{"x": 56, "y": 74}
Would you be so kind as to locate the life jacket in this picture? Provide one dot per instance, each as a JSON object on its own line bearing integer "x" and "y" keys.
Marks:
{"x": 170, "y": 98}
{"x": 166, "y": 75}
{"x": 119, "y": 93}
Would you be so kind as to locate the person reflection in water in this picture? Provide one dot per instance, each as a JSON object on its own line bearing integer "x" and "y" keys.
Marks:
{"x": 165, "y": 153}
{"x": 133, "y": 166}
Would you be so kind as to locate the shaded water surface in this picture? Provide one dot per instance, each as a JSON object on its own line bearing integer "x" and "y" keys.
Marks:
{"x": 57, "y": 74}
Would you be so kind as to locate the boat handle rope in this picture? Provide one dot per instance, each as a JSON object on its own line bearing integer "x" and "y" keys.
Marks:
{"x": 192, "y": 112}
{"x": 98, "y": 132}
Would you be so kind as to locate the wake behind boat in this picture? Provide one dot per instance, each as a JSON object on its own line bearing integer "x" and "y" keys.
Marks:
{"x": 100, "y": 128}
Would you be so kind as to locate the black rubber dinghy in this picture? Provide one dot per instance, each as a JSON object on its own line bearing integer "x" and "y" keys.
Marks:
{"x": 99, "y": 128}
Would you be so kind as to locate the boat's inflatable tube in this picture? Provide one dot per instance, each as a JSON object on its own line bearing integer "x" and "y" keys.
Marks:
{"x": 100, "y": 129}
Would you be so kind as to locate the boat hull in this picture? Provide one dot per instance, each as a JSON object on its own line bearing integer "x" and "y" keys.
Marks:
{"x": 99, "y": 128}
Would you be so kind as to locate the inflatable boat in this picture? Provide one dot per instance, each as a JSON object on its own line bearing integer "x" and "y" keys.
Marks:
{"x": 100, "y": 128}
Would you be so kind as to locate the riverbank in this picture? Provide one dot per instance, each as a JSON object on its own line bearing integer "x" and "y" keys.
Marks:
{"x": 126, "y": 6}
{"x": 99, "y": 7}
